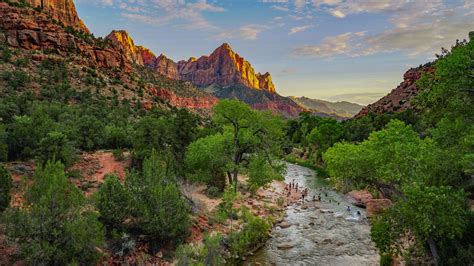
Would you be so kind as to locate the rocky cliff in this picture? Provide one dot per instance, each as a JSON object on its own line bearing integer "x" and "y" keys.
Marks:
{"x": 124, "y": 43}
{"x": 224, "y": 67}
{"x": 399, "y": 99}
{"x": 29, "y": 29}
{"x": 63, "y": 11}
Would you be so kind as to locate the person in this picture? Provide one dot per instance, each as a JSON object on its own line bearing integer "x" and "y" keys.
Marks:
{"x": 349, "y": 208}
{"x": 319, "y": 197}
{"x": 358, "y": 213}
{"x": 302, "y": 196}
{"x": 314, "y": 197}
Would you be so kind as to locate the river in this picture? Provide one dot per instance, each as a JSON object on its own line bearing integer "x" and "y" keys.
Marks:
{"x": 320, "y": 233}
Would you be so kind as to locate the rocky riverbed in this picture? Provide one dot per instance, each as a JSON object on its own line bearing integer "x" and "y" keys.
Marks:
{"x": 318, "y": 233}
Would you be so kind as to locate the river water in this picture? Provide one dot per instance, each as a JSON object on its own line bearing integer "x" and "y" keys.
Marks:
{"x": 320, "y": 233}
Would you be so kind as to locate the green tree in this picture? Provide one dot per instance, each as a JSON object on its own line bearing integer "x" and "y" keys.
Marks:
{"x": 208, "y": 159}
{"x": 55, "y": 146}
{"x": 113, "y": 202}
{"x": 5, "y": 188}
{"x": 57, "y": 226}
{"x": 253, "y": 132}
{"x": 428, "y": 214}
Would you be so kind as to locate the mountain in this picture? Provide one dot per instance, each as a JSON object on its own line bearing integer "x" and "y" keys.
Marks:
{"x": 223, "y": 73}
{"x": 338, "y": 109}
{"x": 118, "y": 68}
{"x": 62, "y": 11}
{"x": 399, "y": 99}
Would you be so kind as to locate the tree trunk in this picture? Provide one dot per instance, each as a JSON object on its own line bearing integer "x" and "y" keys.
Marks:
{"x": 433, "y": 250}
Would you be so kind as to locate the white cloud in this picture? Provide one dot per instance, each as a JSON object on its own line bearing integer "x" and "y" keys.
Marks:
{"x": 299, "y": 29}
{"x": 246, "y": 32}
{"x": 280, "y": 8}
{"x": 416, "y": 28}
{"x": 337, "y": 13}
{"x": 342, "y": 44}
{"x": 187, "y": 14}
{"x": 299, "y": 3}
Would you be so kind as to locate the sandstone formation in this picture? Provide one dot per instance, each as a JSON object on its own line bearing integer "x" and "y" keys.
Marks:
{"x": 377, "y": 206}
{"x": 399, "y": 99}
{"x": 359, "y": 197}
{"x": 32, "y": 30}
{"x": 185, "y": 102}
{"x": 224, "y": 67}
{"x": 63, "y": 11}
{"x": 166, "y": 67}
{"x": 124, "y": 43}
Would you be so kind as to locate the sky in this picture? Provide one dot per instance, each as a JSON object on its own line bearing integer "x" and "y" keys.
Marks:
{"x": 334, "y": 50}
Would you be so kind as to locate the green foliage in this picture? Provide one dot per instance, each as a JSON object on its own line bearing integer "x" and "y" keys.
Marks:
{"x": 211, "y": 253}
{"x": 5, "y": 188}
{"x": 427, "y": 212}
{"x": 112, "y": 201}
{"x": 151, "y": 201}
{"x": 55, "y": 146}
{"x": 207, "y": 159}
{"x": 254, "y": 232}
{"x": 16, "y": 79}
{"x": 261, "y": 172}
{"x": 244, "y": 131}
{"x": 58, "y": 226}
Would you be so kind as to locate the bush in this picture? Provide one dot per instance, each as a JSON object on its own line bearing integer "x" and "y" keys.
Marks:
{"x": 211, "y": 253}
{"x": 118, "y": 155}
{"x": 58, "y": 228}
{"x": 213, "y": 192}
{"x": 254, "y": 232}
{"x": 5, "y": 187}
{"x": 55, "y": 146}
{"x": 16, "y": 79}
{"x": 112, "y": 201}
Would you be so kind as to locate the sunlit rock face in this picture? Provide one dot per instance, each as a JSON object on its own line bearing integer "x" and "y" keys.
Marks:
{"x": 166, "y": 67}
{"x": 63, "y": 11}
{"x": 123, "y": 42}
{"x": 399, "y": 99}
{"x": 224, "y": 67}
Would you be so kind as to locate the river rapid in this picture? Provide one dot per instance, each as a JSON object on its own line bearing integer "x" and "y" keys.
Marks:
{"x": 319, "y": 233}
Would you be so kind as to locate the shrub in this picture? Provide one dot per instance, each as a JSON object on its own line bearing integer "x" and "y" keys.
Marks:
{"x": 5, "y": 187}
{"x": 55, "y": 146}
{"x": 213, "y": 192}
{"x": 58, "y": 228}
{"x": 211, "y": 253}
{"x": 254, "y": 232}
{"x": 118, "y": 155}
{"x": 112, "y": 201}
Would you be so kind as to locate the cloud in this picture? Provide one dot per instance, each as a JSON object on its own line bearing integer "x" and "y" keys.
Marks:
{"x": 337, "y": 13}
{"x": 246, "y": 32}
{"x": 342, "y": 44}
{"x": 188, "y": 14}
{"x": 299, "y": 29}
{"x": 416, "y": 28}
{"x": 299, "y": 3}
{"x": 280, "y": 8}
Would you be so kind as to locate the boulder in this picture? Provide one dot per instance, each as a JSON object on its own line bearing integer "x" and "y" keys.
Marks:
{"x": 284, "y": 224}
{"x": 359, "y": 197}
{"x": 377, "y": 206}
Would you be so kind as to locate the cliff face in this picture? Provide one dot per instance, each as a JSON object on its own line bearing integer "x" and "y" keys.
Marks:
{"x": 63, "y": 11}
{"x": 122, "y": 41}
{"x": 399, "y": 99}
{"x": 224, "y": 67}
{"x": 166, "y": 67}
{"x": 29, "y": 29}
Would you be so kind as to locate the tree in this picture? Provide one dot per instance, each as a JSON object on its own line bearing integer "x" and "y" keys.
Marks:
{"x": 428, "y": 214}
{"x": 150, "y": 200}
{"x": 55, "y": 146}
{"x": 5, "y": 187}
{"x": 253, "y": 132}
{"x": 56, "y": 226}
{"x": 113, "y": 202}
{"x": 207, "y": 159}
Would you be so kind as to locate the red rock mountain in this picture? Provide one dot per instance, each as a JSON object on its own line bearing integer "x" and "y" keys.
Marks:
{"x": 399, "y": 99}
{"x": 223, "y": 67}
{"x": 60, "y": 10}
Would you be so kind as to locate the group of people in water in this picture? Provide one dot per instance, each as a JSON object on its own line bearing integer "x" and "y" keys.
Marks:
{"x": 304, "y": 194}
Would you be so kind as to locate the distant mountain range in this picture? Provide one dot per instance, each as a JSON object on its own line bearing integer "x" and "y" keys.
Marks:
{"x": 335, "y": 109}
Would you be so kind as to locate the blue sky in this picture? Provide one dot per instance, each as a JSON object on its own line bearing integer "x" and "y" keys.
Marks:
{"x": 327, "y": 49}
